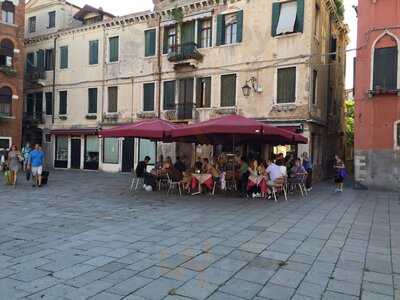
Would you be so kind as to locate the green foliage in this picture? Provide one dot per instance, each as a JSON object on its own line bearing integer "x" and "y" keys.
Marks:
{"x": 177, "y": 15}
{"x": 340, "y": 8}
{"x": 349, "y": 122}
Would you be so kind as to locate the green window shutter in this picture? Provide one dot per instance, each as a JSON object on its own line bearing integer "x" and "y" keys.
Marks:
{"x": 92, "y": 105}
{"x": 385, "y": 68}
{"x": 63, "y": 102}
{"x": 169, "y": 95}
{"x": 112, "y": 99}
{"x": 30, "y": 59}
{"x": 228, "y": 90}
{"x": 114, "y": 49}
{"x": 276, "y": 11}
{"x": 94, "y": 52}
{"x": 239, "y": 16}
{"x": 220, "y": 30}
{"x": 148, "y": 96}
{"x": 299, "y": 24}
{"x": 165, "y": 41}
{"x": 199, "y": 26}
{"x": 286, "y": 89}
{"x": 49, "y": 103}
{"x": 64, "y": 57}
{"x": 40, "y": 60}
{"x": 150, "y": 42}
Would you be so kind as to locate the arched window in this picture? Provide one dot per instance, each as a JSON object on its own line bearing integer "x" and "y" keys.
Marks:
{"x": 6, "y": 53}
{"x": 5, "y": 101}
{"x": 7, "y": 12}
{"x": 385, "y": 63}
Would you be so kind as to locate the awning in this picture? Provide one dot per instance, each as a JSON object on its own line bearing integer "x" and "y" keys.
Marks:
{"x": 75, "y": 131}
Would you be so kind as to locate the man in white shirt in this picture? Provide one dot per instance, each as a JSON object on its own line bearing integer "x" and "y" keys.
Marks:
{"x": 274, "y": 172}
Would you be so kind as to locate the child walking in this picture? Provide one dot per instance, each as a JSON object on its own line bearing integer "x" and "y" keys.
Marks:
{"x": 341, "y": 174}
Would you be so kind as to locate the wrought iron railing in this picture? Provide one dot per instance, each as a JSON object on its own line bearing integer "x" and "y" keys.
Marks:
{"x": 185, "y": 51}
{"x": 184, "y": 111}
{"x": 34, "y": 117}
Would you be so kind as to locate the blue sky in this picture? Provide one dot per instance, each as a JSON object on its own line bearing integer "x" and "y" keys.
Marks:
{"x": 123, "y": 7}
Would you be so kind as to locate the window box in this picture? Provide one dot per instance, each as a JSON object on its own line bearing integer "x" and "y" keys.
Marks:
{"x": 146, "y": 115}
{"x": 63, "y": 118}
{"x": 91, "y": 117}
{"x": 9, "y": 71}
{"x": 170, "y": 115}
{"x": 283, "y": 107}
{"x": 111, "y": 117}
{"x": 383, "y": 91}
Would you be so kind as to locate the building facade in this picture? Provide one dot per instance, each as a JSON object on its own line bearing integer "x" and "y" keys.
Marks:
{"x": 187, "y": 61}
{"x": 11, "y": 71}
{"x": 377, "y": 91}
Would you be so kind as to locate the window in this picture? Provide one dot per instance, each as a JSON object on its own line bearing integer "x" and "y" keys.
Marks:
{"x": 93, "y": 52}
{"x": 6, "y": 53}
{"x": 110, "y": 150}
{"x": 230, "y": 28}
{"x": 169, "y": 94}
{"x": 204, "y": 34}
{"x": 228, "y": 90}
{"x": 315, "y": 87}
{"x": 63, "y": 103}
{"x": 5, "y": 101}
{"x": 32, "y": 24}
{"x": 30, "y": 61}
{"x": 397, "y": 134}
{"x": 385, "y": 68}
{"x": 287, "y": 17}
{"x": 5, "y": 142}
{"x": 150, "y": 42}
{"x": 92, "y": 98}
{"x": 7, "y": 12}
{"x": 40, "y": 61}
{"x": 30, "y": 104}
{"x": 317, "y": 21}
{"x": 286, "y": 89}
{"x": 114, "y": 49}
{"x": 203, "y": 92}
{"x": 49, "y": 60}
{"x": 62, "y": 148}
{"x": 49, "y": 103}
{"x": 113, "y": 99}
{"x": 148, "y": 96}
{"x": 169, "y": 38}
{"x": 52, "y": 19}
{"x": 91, "y": 152}
{"x": 147, "y": 148}
{"x": 64, "y": 57}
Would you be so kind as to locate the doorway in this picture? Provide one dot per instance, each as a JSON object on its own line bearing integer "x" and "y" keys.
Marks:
{"x": 128, "y": 154}
{"x": 75, "y": 153}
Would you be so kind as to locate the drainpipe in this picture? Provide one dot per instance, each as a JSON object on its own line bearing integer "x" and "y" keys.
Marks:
{"x": 159, "y": 68}
{"x": 54, "y": 80}
{"x": 104, "y": 62}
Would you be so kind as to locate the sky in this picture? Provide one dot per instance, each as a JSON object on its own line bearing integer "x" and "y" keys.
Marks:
{"x": 124, "y": 7}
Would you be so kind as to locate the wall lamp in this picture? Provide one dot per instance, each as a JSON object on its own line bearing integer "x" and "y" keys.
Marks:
{"x": 254, "y": 85}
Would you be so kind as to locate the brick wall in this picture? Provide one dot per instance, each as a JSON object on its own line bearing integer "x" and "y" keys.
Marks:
{"x": 12, "y": 127}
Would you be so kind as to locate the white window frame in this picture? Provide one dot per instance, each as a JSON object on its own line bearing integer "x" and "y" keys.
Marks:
{"x": 386, "y": 32}
{"x": 109, "y": 49}
{"x": 280, "y": 15}
{"x": 7, "y": 138}
{"x": 275, "y": 100}
{"x": 395, "y": 135}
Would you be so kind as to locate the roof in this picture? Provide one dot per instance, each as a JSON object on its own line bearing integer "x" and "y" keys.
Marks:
{"x": 90, "y": 9}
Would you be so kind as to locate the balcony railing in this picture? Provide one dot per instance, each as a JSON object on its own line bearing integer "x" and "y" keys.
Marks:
{"x": 35, "y": 74}
{"x": 182, "y": 52}
{"x": 7, "y": 70}
{"x": 184, "y": 111}
{"x": 33, "y": 117}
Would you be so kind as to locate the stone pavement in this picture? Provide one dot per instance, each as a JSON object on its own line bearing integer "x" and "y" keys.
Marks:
{"x": 85, "y": 237}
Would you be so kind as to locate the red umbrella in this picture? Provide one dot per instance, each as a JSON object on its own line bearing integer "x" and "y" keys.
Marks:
{"x": 154, "y": 129}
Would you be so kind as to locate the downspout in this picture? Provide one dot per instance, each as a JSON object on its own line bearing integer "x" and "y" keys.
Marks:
{"x": 54, "y": 80}
{"x": 159, "y": 68}
{"x": 103, "y": 75}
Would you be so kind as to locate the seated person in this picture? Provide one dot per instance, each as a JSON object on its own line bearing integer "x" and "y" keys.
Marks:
{"x": 159, "y": 163}
{"x": 209, "y": 168}
{"x": 141, "y": 168}
{"x": 180, "y": 165}
{"x": 297, "y": 169}
{"x": 198, "y": 165}
{"x": 274, "y": 172}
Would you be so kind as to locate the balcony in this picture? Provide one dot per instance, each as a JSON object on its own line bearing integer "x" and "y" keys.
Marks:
{"x": 8, "y": 71}
{"x": 33, "y": 118}
{"x": 184, "y": 111}
{"x": 34, "y": 75}
{"x": 184, "y": 52}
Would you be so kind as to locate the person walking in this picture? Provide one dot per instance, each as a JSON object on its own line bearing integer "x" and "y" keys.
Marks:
{"x": 341, "y": 174}
{"x": 36, "y": 163}
{"x": 26, "y": 151}
{"x": 14, "y": 163}
{"x": 308, "y": 167}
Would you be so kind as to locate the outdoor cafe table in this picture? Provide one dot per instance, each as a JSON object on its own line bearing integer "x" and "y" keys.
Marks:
{"x": 200, "y": 179}
{"x": 260, "y": 181}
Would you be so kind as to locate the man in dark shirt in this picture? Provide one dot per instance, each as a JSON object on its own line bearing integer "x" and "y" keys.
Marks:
{"x": 141, "y": 168}
{"x": 179, "y": 165}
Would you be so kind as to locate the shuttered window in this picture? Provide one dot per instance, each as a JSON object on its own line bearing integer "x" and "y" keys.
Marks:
{"x": 49, "y": 103}
{"x": 40, "y": 60}
{"x": 92, "y": 98}
{"x": 284, "y": 21}
{"x": 203, "y": 92}
{"x": 169, "y": 38}
{"x": 49, "y": 59}
{"x": 150, "y": 42}
{"x": 385, "y": 68}
{"x": 169, "y": 94}
{"x": 30, "y": 61}
{"x": 315, "y": 85}
{"x": 113, "y": 99}
{"x": 286, "y": 90}
{"x": 32, "y": 24}
{"x": 230, "y": 28}
{"x": 148, "y": 96}
{"x": 64, "y": 57}
{"x": 204, "y": 34}
{"x": 228, "y": 90}
{"x": 398, "y": 133}
{"x": 52, "y": 19}
{"x": 93, "y": 52}
{"x": 114, "y": 49}
{"x": 63, "y": 103}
